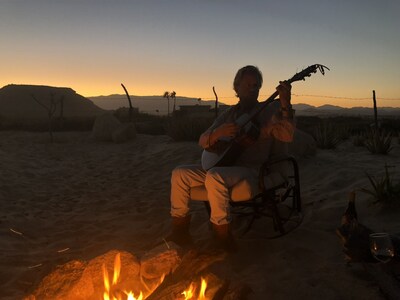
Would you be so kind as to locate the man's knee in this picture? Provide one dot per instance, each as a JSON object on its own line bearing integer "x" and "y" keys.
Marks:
{"x": 212, "y": 176}
{"x": 177, "y": 173}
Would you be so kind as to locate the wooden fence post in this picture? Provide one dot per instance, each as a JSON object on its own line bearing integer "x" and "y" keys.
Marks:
{"x": 375, "y": 110}
{"x": 216, "y": 103}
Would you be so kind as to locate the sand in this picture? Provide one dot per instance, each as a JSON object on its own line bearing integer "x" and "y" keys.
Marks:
{"x": 76, "y": 199}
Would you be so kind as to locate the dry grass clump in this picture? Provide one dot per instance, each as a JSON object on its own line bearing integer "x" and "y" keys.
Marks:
{"x": 359, "y": 140}
{"x": 378, "y": 141}
{"x": 327, "y": 136}
{"x": 384, "y": 190}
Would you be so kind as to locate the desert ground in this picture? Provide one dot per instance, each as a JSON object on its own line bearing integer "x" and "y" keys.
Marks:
{"x": 77, "y": 198}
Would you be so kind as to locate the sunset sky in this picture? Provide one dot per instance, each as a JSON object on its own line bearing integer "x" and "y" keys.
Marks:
{"x": 192, "y": 45}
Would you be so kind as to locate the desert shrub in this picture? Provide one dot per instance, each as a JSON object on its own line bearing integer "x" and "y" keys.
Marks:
{"x": 383, "y": 189}
{"x": 144, "y": 123}
{"x": 359, "y": 140}
{"x": 152, "y": 127}
{"x": 327, "y": 136}
{"x": 307, "y": 123}
{"x": 344, "y": 131}
{"x": 187, "y": 128}
{"x": 397, "y": 136}
{"x": 378, "y": 141}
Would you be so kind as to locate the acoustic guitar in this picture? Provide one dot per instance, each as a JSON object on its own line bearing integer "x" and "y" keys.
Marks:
{"x": 225, "y": 151}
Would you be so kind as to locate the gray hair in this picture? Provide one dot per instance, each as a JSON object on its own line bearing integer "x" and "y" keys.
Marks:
{"x": 247, "y": 70}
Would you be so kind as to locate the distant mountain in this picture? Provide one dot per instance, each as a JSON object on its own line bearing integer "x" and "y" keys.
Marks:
{"x": 329, "y": 107}
{"x": 17, "y": 101}
{"x": 147, "y": 104}
{"x": 333, "y": 110}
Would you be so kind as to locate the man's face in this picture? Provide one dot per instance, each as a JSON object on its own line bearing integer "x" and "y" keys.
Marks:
{"x": 248, "y": 88}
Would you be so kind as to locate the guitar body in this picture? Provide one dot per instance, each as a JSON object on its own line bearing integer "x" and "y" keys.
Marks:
{"x": 227, "y": 150}
{"x": 225, "y": 154}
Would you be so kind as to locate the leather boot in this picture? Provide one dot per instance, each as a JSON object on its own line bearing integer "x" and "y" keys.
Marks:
{"x": 180, "y": 234}
{"x": 223, "y": 238}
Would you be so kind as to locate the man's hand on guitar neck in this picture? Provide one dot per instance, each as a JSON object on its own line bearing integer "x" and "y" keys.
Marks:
{"x": 284, "y": 89}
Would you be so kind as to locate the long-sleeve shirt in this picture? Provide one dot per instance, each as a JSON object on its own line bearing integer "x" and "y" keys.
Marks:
{"x": 272, "y": 126}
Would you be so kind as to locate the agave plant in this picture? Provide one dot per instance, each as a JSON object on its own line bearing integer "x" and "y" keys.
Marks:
{"x": 359, "y": 140}
{"x": 378, "y": 142}
{"x": 326, "y": 136}
{"x": 383, "y": 189}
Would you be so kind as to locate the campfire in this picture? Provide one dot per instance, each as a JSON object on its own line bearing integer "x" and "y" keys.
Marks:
{"x": 160, "y": 274}
{"x": 113, "y": 293}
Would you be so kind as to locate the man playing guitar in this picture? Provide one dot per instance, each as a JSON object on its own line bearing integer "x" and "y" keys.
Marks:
{"x": 273, "y": 122}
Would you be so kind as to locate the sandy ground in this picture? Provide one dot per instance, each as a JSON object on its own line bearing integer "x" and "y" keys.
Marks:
{"x": 76, "y": 199}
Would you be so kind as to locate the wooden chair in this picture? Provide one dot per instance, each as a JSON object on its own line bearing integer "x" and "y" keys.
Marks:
{"x": 277, "y": 195}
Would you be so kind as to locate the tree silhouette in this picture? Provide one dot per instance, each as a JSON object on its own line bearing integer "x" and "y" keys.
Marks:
{"x": 51, "y": 109}
{"x": 173, "y": 96}
{"x": 166, "y": 95}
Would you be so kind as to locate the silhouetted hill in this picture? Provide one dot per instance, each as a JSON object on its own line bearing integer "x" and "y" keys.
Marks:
{"x": 16, "y": 101}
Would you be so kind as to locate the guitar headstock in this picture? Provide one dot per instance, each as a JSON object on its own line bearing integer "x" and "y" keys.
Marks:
{"x": 307, "y": 72}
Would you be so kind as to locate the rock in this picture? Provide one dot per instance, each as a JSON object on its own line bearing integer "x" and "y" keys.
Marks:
{"x": 78, "y": 280}
{"x": 303, "y": 145}
{"x": 123, "y": 133}
{"x": 104, "y": 127}
{"x": 60, "y": 283}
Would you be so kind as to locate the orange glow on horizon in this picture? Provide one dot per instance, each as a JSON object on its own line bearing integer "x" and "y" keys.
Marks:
{"x": 226, "y": 95}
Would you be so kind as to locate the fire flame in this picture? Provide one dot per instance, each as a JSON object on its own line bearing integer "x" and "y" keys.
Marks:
{"x": 189, "y": 293}
{"x": 109, "y": 294}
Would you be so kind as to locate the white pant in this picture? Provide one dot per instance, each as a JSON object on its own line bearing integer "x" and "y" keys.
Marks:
{"x": 217, "y": 180}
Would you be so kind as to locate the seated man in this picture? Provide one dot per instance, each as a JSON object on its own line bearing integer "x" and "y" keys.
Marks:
{"x": 275, "y": 122}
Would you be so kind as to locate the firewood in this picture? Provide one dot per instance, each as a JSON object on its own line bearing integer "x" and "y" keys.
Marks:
{"x": 193, "y": 265}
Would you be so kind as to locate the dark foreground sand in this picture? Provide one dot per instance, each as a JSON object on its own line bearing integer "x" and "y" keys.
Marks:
{"x": 76, "y": 199}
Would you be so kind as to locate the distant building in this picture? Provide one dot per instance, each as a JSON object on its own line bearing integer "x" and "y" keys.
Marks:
{"x": 193, "y": 110}
{"x": 221, "y": 108}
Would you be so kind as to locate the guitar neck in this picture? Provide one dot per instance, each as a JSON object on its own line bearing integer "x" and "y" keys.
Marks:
{"x": 298, "y": 76}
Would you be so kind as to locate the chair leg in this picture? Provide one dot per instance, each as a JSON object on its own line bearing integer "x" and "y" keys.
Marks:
{"x": 296, "y": 191}
{"x": 275, "y": 215}
{"x": 208, "y": 207}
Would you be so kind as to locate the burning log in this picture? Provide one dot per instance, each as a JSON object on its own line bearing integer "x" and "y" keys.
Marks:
{"x": 356, "y": 246}
{"x": 194, "y": 268}
{"x": 158, "y": 262}
{"x": 189, "y": 270}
